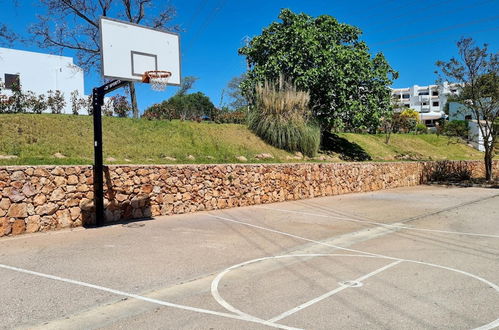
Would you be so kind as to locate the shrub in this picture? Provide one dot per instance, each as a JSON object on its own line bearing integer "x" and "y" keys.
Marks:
{"x": 160, "y": 111}
{"x": 37, "y": 104}
{"x": 88, "y": 104}
{"x": 18, "y": 101}
{"x": 449, "y": 171}
{"x": 421, "y": 128}
{"x": 121, "y": 106}
{"x": 231, "y": 117}
{"x": 56, "y": 101}
{"x": 408, "y": 120}
{"x": 77, "y": 102}
{"x": 107, "y": 107}
{"x": 456, "y": 128}
{"x": 280, "y": 117}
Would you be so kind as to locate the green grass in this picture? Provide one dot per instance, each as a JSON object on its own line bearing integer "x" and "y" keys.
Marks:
{"x": 36, "y": 138}
{"x": 413, "y": 147}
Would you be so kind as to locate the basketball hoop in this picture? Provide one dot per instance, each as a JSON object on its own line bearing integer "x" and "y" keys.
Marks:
{"x": 157, "y": 79}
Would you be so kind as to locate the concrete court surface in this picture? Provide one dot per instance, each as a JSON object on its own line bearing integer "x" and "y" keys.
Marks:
{"x": 409, "y": 258}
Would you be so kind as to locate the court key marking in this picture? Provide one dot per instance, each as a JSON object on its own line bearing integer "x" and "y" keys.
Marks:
{"x": 250, "y": 318}
{"x": 490, "y": 325}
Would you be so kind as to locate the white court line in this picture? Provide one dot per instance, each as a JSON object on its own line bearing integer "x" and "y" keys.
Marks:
{"x": 492, "y": 285}
{"x": 491, "y": 325}
{"x": 299, "y": 237}
{"x": 216, "y": 281}
{"x": 330, "y": 293}
{"x": 379, "y": 223}
{"x": 150, "y": 300}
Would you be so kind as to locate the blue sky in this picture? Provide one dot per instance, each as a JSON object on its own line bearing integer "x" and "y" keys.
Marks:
{"x": 413, "y": 35}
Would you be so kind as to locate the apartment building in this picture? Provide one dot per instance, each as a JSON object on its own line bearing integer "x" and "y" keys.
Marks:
{"x": 429, "y": 101}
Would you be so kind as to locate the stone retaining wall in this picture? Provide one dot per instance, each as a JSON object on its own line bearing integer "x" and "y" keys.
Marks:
{"x": 41, "y": 198}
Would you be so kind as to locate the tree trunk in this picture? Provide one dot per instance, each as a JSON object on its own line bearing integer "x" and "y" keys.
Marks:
{"x": 133, "y": 97}
{"x": 488, "y": 165}
{"x": 387, "y": 138}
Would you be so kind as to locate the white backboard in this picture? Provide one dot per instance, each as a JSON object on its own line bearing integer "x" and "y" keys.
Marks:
{"x": 128, "y": 50}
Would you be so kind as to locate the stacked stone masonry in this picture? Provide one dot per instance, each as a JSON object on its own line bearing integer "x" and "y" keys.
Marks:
{"x": 42, "y": 198}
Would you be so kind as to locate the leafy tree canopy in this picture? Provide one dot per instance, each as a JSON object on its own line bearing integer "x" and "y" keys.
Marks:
{"x": 195, "y": 104}
{"x": 182, "y": 106}
{"x": 476, "y": 71}
{"x": 348, "y": 87}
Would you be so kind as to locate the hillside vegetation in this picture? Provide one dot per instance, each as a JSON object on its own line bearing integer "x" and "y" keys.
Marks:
{"x": 35, "y": 139}
{"x": 412, "y": 147}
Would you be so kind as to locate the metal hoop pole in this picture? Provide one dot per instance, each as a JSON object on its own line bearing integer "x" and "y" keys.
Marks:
{"x": 98, "y": 94}
{"x": 97, "y": 101}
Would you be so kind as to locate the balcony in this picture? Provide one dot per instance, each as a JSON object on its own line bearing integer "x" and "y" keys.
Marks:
{"x": 424, "y": 108}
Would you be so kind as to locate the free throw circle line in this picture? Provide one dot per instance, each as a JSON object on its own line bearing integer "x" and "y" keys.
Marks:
{"x": 332, "y": 292}
{"x": 216, "y": 294}
{"x": 491, "y": 325}
{"x": 222, "y": 302}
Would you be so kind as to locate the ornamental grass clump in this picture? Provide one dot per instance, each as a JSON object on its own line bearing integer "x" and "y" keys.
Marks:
{"x": 281, "y": 116}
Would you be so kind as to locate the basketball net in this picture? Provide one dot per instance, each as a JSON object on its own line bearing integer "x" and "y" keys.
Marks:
{"x": 157, "y": 79}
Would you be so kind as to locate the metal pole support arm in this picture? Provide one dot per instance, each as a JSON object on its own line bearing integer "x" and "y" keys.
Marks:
{"x": 98, "y": 94}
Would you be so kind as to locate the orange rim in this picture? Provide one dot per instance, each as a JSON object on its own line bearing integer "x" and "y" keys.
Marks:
{"x": 146, "y": 77}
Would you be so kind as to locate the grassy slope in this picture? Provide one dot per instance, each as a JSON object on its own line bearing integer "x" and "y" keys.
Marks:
{"x": 36, "y": 138}
{"x": 425, "y": 146}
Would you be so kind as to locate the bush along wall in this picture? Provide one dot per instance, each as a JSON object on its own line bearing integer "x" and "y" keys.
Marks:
{"x": 43, "y": 198}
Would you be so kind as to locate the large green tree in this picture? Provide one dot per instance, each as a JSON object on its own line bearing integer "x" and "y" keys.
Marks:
{"x": 348, "y": 87}
{"x": 192, "y": 105}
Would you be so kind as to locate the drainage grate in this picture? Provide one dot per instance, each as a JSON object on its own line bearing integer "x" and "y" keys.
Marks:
{"x": 134, "y": 225}
{"x": 351, "y": 284}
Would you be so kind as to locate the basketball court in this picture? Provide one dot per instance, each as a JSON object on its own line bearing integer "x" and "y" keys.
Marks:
{"x": 420, "y": 257}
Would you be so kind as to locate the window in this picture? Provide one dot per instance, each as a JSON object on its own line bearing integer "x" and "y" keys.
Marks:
{"x": 436, "y": 104}
{"x": 407, "y": 105}
{"x": 425, "y": 103}
{"x": 406, "y": 96}
{"x": 434, "y": 93}
{"x": 467, "y": 117}
{"x": 423, "y": 93}
{"x": 11, "y": 80}
{"x": 396, "y": 96}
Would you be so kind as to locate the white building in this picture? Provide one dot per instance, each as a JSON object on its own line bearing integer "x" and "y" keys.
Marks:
{"x": 475, "y": 135}
{"x": 40, "y": 73}
{"x": 429, "y": 101}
